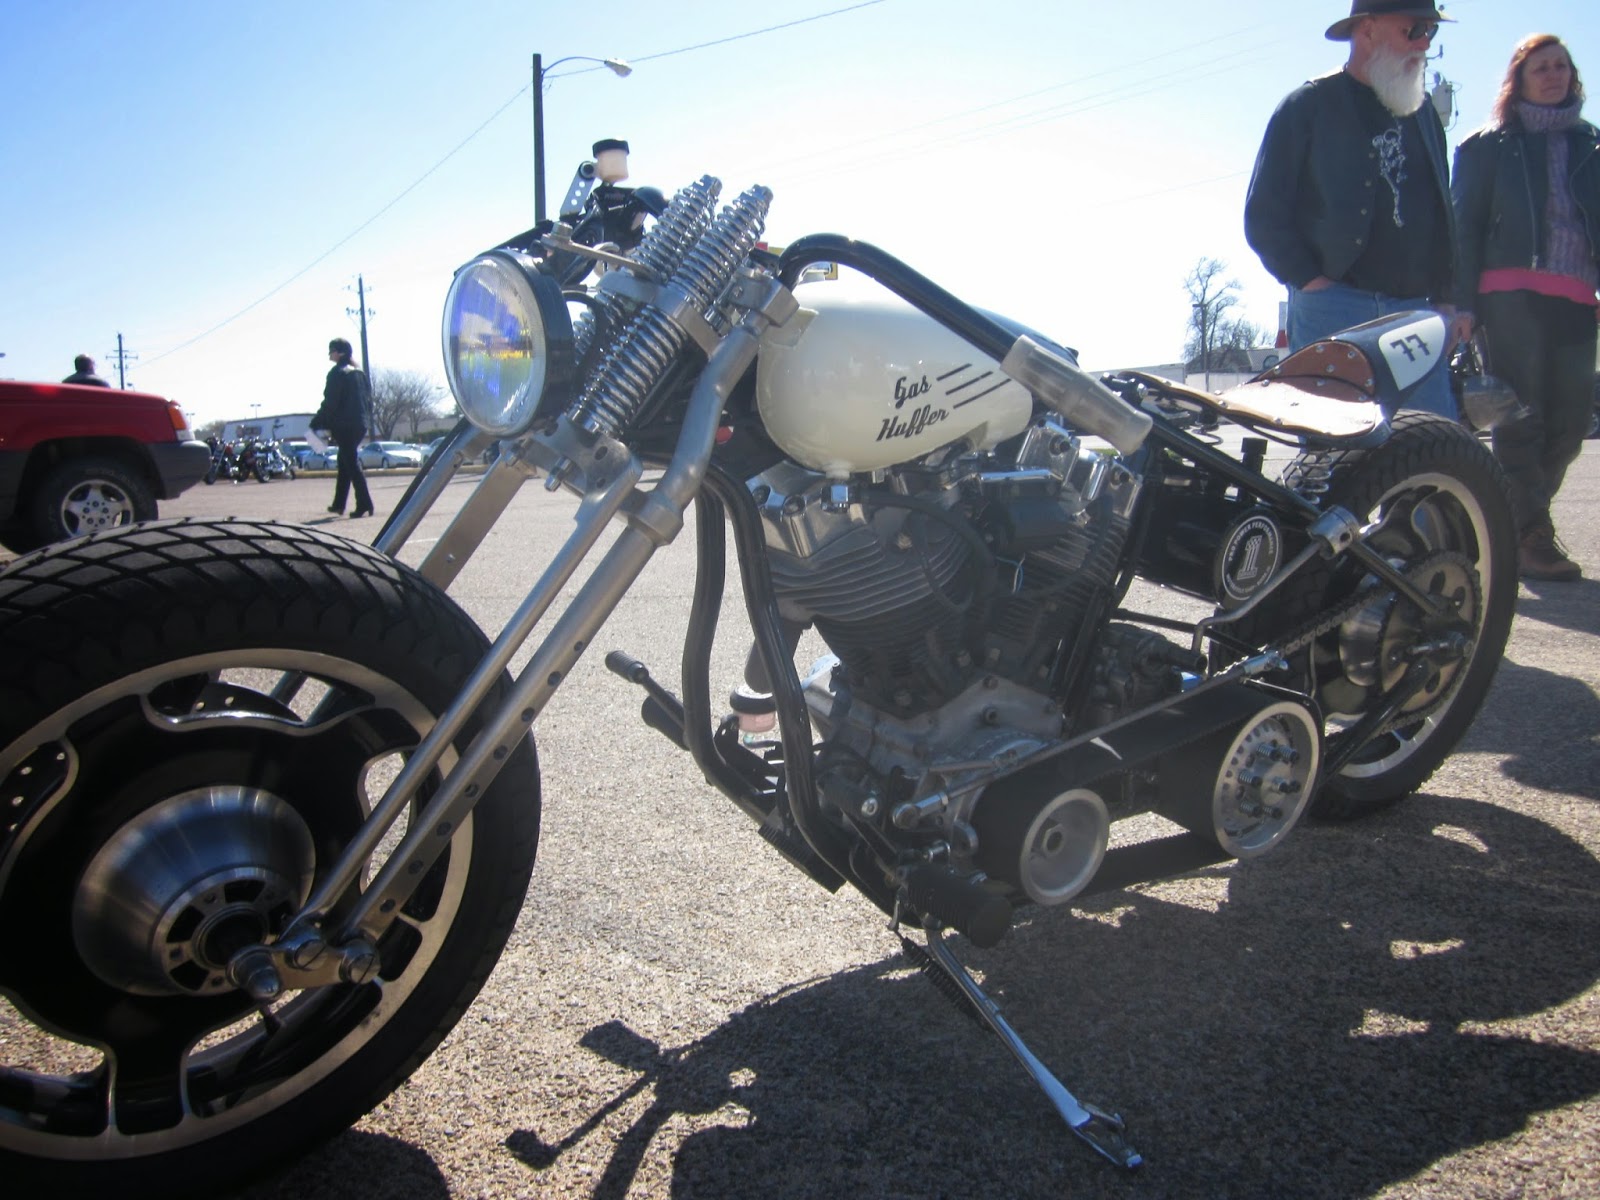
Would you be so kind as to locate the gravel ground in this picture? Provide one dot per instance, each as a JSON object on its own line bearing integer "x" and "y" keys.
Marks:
{"x": 1402, "y": 1007}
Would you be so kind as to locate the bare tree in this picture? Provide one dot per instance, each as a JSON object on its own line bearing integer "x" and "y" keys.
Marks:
{"x": 403, "y": 398}
{"x": 1217, "y": 339}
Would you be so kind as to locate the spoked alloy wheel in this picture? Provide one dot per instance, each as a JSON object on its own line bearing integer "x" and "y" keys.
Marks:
{"x": 1435, "y": 506}
{"x": 165, "y": 808}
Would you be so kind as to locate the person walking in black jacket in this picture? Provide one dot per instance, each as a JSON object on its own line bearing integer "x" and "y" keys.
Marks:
{"x": 345, "y": 402}
{"x": 1527, "y": 198}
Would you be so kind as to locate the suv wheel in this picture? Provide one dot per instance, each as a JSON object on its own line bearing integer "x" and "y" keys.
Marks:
{"x": 85, "y": 495}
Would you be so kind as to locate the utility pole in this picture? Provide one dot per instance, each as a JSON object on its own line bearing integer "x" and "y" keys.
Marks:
{"x": 123, "y": 358}
{"x": 362, "y": 312}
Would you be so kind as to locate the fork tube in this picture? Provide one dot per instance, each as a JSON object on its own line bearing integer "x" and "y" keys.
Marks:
{"x": 593, "y": 516}
{"x": 657, "y": 521}
{"x": 545, "y": 672}
{"x": 426, "y": 488}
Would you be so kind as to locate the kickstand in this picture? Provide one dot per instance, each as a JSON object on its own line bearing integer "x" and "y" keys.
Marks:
{"x": 1102, "y": 1130}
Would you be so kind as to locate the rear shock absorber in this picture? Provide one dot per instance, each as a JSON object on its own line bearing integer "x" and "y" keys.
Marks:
{"x": 640, "y": 356}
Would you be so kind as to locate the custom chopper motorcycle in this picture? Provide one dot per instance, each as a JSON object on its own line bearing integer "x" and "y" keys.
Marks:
{"x": 231, "y": 941}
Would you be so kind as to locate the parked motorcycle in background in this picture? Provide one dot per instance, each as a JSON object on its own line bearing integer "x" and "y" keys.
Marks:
{"x": 247, "y": 943}
{"x": 274, "y": 463}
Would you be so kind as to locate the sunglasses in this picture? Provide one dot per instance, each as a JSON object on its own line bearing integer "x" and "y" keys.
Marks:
{"x": 1422, "y": 31}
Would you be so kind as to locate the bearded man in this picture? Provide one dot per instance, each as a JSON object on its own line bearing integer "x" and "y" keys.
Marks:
{"x": 1349, "y": 204}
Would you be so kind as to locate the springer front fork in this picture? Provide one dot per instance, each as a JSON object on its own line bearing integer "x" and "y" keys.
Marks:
{"x": 310, "y": 953}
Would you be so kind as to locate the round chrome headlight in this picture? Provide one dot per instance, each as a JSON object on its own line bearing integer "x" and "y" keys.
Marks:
{"x": 507, "y": 343}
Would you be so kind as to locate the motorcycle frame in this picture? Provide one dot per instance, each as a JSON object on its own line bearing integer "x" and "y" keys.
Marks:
{"x": 606, "y": 474}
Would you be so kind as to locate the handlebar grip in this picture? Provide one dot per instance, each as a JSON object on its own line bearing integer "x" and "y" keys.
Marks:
{"x": 954, "y": 899}
{"x": 1079, "y": 397}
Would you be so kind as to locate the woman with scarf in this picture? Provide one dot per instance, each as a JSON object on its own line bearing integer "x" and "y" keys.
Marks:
{"x": 1527, "y": 197}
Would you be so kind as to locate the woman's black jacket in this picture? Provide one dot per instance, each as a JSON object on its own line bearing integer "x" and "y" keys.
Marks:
{"x": 1500, "y": 184}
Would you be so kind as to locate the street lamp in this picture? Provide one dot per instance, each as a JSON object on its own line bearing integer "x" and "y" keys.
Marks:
{"x": 616, "y": 65}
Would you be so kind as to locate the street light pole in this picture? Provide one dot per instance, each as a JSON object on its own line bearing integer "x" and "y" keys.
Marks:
{"x": 538, "y": 139}
{"x": 616, "y": 65}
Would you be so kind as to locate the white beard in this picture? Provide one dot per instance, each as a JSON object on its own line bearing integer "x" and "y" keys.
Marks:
{"x": 1397, "y": 79}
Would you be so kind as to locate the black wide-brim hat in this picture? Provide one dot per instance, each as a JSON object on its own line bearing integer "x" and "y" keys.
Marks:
{"x": 1339, "y": 31}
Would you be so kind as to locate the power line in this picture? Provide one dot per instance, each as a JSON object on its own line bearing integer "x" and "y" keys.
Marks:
{"x": 1025, "y": 120}
{"x": 739, "y": 37}
{"x": 895, "y": 135}
{"x": 521, "y": 92}
{"x": 329, "y": 251}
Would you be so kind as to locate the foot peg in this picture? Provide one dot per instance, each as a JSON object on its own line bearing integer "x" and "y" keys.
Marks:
{"x": 1101, "y": 1130}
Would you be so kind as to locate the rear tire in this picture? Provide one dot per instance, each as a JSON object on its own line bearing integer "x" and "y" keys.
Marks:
{"x": 139, "y": 700}
{"x": 1432, "y": 489}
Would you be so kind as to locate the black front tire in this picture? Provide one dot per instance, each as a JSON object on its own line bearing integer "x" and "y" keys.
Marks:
{"x": 147, "y": 684}
{"x": 87, "y": 495}
{"x": 1431, "y": 492}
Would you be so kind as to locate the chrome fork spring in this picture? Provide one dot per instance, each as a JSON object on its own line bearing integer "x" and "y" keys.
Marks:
{"x": 710, "y": 265}
{"x": 640, "y": 356}
{"x": 683, "y": 224}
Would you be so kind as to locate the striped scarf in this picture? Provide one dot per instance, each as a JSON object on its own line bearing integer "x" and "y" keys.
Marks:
{"x": 1566, "y": 250}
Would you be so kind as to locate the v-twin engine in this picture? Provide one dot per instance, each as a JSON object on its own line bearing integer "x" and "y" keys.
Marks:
{"x": 958, "y": 598}
{"x": 931, "y": 577}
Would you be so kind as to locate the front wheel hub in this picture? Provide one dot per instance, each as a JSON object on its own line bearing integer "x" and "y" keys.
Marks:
{"x": 187, "y": 883}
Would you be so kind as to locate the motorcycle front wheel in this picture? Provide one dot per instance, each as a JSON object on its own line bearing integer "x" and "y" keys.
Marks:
{"x": 195, "y": 719}
{"x": 1435, "y": 505}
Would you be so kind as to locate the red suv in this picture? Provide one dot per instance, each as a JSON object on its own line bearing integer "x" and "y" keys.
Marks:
{"x": 75, "y": 459}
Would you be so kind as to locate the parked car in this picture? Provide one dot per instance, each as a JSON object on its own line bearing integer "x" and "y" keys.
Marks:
{"x": 389, "y": 454}
{"x": 322, "y": 460}
{"x": 297, "y": 450}
{"x": 76, "y": 459}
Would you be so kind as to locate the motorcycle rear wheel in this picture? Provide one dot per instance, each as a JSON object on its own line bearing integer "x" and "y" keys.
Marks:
{"x": 163, "y": 806}
{"x": 1434, "y": 492}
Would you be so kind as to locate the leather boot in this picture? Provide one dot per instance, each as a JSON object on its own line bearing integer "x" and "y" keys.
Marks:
{"x": 1539, "y": 556}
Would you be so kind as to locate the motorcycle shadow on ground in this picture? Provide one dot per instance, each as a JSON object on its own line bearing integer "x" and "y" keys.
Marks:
{"x": 1547, "y": 727}
{"x": 1319, "y": 1023}
{"x": 1567, "y": 605}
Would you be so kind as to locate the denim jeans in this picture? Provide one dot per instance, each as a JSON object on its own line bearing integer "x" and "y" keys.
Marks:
{"x": 1319, "y": 314}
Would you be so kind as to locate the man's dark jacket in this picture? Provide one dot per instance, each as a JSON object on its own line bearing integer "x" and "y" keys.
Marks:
{"x": 1315, "y": 190}
{"x": 344, "y": 404}
{"x": 1501, "y": 184}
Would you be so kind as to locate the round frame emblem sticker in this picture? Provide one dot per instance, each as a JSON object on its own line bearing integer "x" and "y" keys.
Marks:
{"x": 1250, "y": 554}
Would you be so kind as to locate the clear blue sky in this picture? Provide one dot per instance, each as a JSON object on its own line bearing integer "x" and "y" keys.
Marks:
{"x": 168, "y": 164}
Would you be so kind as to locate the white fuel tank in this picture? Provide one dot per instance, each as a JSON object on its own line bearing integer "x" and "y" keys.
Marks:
{"x": 858, "y": 379}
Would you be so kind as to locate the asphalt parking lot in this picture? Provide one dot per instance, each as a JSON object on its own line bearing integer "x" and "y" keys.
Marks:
{"x": 1408, "y": 1006}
